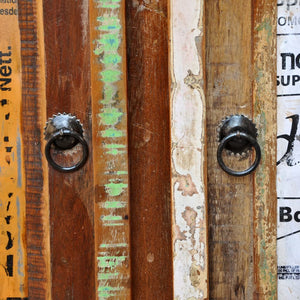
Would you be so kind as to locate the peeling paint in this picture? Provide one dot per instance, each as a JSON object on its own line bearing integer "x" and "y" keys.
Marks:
{"x": 187, "y": 134}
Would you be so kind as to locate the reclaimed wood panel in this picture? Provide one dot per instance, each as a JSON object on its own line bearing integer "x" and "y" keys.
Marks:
{"x": 229, "y": 91}
{"x": 242, "y": 211}
{"x": 189, "y": 204}
{"x": 110, "y": 149}
{"x": 265, "y": 116}
{"x": 149, "y": 148}
{"x": 36, "y": 168}
{"x": 13, "y": 258}
{"x": 67, "y": 54}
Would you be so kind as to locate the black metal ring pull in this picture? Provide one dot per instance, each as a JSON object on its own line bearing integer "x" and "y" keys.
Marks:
{"x": 64, "y": 132}
{"x": 238, "y": 135}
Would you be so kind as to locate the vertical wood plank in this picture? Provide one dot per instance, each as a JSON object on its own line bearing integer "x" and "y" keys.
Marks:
{"x": 71, "y": 195}
{"x": 229, "y": 91}
{"x": 13, "y": 258}
{"x": 188, "y": 150}
{"x": 110, "y": 149}
{"x": 36, "y": 170}
{"x": 265, "y": 115}
{"x": 149, "y": 146}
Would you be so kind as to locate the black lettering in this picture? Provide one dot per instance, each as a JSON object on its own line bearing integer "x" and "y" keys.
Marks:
{"x": 288, "y": 79}
{"x": 8, "y": 149}
{"x": 285, "y": 214}
{"x": 297, "y": 216}
{"x": 3, "y": 102}
{"x": 291, "y": 3}
{"x": 284, "y": 58}
{"x": 5, "y": 82}
{"x": 10, "y": 243}
{"x": 6, "y": 139}
{"x": 7, "y": 219}
{"x": 7, "y": 116}
{"x": 278, "y": 81}
{"x": 296, "y": 78}
{"x": 9, "y": 265}
{"x": 5, "y": 71}
{"x": 282, "y": 21}
{"x": 291, "y": 139}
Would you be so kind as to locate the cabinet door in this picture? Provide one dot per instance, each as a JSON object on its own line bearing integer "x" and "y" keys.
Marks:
{"x": 223, "y": 63}
{"x": 150, "y": 215}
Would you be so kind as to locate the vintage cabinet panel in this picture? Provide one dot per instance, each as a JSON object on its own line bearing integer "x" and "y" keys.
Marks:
{"x": 151, "y": 215}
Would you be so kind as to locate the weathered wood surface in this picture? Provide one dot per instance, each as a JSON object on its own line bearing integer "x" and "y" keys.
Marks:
{"x": 13, "y": 275}
{"x": 110, "y": 149}
{"x": 35, "y": 164}
{"x": 188, "y": 150}
{"x": 149, "y": 148}
{"x": 67, "y": 54}
{"x": 240, "y": 37}
{"x": 265, "y": 116}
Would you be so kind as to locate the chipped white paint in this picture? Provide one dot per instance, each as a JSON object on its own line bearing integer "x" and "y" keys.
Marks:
{"x": 188, "y": 152}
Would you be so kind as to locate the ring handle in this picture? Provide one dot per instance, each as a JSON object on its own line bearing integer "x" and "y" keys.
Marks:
{"x": 78, "y": 138}
{"x": 230, "y": 138}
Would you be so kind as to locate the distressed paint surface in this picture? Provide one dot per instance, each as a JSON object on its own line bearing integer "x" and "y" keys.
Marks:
{"x": 264, "y": 100}
{"x": 110, "y": 149}
{"x": 188, "y": 151}
{"x": 13, "y": 276}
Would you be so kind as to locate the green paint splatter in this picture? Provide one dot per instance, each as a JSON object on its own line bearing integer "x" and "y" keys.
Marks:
{"x": 112, "y": 133}
{"x": 111, "y": 218}
{"x": 111, "y": 116}
{"x": 109, "y": 23}
{"x": 114, "y": 146}
{"x": 111, "y": 59}
{"x": 121, "y": 245}
{"x": 115, "y": 152}
{"x": 266, "y": 25}
{"x": 111, "y": 75}
{"x": 115, "y": 189}
{"x": 110, "y": 262}
{"x": 108, "y": 276}
{"x": 114, "y": 204}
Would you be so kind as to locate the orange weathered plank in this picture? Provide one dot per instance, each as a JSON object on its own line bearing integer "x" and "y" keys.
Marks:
{"x": 13, "y": 258}
{"x": 110, "y": 149}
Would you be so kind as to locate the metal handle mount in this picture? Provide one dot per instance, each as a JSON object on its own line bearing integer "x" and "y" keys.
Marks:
{"x": 64, "y": 132}
{"x": 237, "y": 135}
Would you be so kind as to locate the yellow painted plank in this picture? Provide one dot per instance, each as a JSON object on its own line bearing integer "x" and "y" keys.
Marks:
{"x": 13, "y": 277}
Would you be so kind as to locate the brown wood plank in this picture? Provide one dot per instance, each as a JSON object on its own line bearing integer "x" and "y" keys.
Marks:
{"x": 110, "y": 149}
{"x": 71, "y": 195}
{"x": 229, "y": 91}
{"x": 149, "y": 148}
{"x": 33, "y": 122}
{"x": 265, "y": 115}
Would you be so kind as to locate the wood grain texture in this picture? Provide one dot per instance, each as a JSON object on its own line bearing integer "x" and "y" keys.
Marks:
{"x": 33, "y": 121}
{"x": 149, "y": 148}
{"x": 110, "y": 149}
{"x": 229, "y": 91}
{"x": 71, "y": 195}
{"x": 265, "y": 115}
{"x": 241, "y": 70}
{"x": 188, "y": 150}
